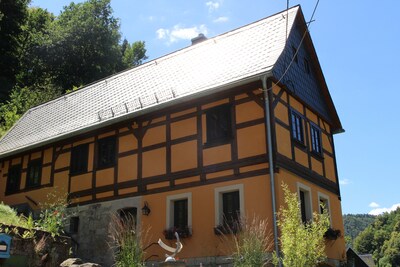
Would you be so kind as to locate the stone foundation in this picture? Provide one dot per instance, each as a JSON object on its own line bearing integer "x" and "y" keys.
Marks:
{"x": 92, "y": 238}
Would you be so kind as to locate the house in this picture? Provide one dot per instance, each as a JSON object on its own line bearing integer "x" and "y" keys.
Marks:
{"x": 355, "y": 260}
{"x": 191, "y": 140}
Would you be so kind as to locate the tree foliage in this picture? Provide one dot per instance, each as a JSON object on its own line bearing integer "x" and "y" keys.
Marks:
{"x": 43, "y": 55}
{"x": 354, "y": 224}
{"x": 301, "y": 244}
{"x": 381, "y": 239}
{"x": 13, "y": 16}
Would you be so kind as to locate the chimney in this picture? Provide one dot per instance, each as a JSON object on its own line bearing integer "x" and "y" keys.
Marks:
{"x": 200, "y": 38}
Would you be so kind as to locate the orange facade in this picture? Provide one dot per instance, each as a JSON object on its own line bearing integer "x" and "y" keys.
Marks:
{"x": 171, "y": 155}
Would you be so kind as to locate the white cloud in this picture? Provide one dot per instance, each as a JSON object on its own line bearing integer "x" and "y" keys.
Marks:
{"x": 221, "y": 19}
{"x": 374, "y": 205}
{"x": 180, "y": 33}
{"x": 212, "y": 6}
{"x": 344, "y": 181}
{"x": 383, "y": 210}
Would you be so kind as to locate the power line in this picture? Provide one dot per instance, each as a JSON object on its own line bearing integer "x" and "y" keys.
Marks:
{"x": 298, "y": 47}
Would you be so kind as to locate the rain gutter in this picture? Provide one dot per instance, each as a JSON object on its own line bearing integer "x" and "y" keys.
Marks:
{"x": 271, "y": 162}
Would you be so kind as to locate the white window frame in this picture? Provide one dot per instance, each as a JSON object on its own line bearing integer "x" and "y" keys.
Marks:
{"x": 325, "y": 198}
{"x": 307, "y": 198}
{"x": 218, "y": 200}
{"x": 170, "y": 208}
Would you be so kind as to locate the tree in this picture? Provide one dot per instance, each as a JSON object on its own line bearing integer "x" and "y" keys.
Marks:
{"x": 301, "y": 244}
{"x": 133, "y": 54}
{"x": 21, "y": 99}
{"x": 13, "y": 13}
{"x": 34, "y": 68}
{"x": 84, "y": 44}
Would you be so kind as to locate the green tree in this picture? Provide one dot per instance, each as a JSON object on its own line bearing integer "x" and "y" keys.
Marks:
{"x": 14, "y": 14}
{"x": 133, "y": 54}
{"x": 34, "y": 68}
{"x": 21, "y": 99}
{"x": 84, "y": 44}
{"x": 301, "y": 244}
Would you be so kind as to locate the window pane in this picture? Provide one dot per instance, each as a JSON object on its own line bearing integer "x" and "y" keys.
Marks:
{"x": 303, "y": 207}
{"x": 218, "y": 123}
{"x": 106, "y": 152}
{"x": 231, "y": 207}
{"x": 181, "y": 213}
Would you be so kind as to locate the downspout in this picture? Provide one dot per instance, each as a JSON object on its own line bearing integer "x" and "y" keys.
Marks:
{"x": 271, "y": 164}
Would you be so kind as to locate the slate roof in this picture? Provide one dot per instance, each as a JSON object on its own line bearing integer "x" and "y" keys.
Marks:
{"x": 225, "y": 60}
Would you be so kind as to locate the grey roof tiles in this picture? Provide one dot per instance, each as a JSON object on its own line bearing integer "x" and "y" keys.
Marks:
{"x": 236, "y": 55}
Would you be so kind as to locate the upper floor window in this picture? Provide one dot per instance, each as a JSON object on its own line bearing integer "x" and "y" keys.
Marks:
{"x": 79, "y": 159}
{"x": 13, "y": 179}
{"x": 306, "y": 66}
{"x": 294, "y": 54}
{"x": 106, "y": 152}
{"x": 297, "y": 127}
{"x": 219, "y": 124}
{"x": 34, "y": 173}
{"x": 316, "y": 139}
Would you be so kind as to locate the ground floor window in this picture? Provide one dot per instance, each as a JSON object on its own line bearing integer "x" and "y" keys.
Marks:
{"x": 305, "y": 202}
{"x": 179, "y": 215}
{"x": 229, "y": 207}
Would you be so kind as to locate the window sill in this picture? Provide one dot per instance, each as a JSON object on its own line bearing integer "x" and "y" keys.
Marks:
{"x": 214, "y": 143}
{"x": 78, "y": 173}
{"x": 99, "y": 168}
{"x": 11, "y": 192}
{"x": 317, "y": 155}
{"x": 32, "y": 187}
{"x": 183, "y": 233}
{"x": 299, "y": 144}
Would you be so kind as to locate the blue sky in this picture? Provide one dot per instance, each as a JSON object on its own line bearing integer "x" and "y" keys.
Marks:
{"x": 357, "y": 43}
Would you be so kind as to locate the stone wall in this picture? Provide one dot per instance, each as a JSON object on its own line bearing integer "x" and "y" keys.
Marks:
{"x": 92, "y": 238}
{"x": 42, "y": 250}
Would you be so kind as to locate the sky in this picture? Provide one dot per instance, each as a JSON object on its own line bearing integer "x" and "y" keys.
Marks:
{"x": 357, "y": 43}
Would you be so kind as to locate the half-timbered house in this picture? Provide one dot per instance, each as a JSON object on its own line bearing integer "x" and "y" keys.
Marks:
{"x": 189, "y": 141}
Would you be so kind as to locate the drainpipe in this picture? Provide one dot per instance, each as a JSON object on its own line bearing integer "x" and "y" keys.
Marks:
{"x": 271, "y": 163}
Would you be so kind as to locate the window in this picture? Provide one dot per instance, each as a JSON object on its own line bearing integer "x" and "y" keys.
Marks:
{"x": 306, "y": 66}
{"x": 229, "y": 206}
{"x": 219, "y": 124}
{"x": 179, "y": 211}
{"x": 305, "y": 202}
{"x": 297, "y": 127}
{"x": 324, "y": 203}
{"x": 13, "y": 179}
{"x": 294, "y": 55}
{"x": 316, "y": 139}
{"x": 34, "y": 173}
{"x": 106, "y": 152}
{"x": 74, "y": 225}
{"x": 79, "y": 159}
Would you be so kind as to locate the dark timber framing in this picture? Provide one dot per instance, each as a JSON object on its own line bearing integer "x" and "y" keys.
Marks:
{"x": 139, "y": 126}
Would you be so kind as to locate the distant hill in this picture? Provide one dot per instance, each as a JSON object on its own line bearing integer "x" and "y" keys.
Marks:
{"x": 355, "y": 224}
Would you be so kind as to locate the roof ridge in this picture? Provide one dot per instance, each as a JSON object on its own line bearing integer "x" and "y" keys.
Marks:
{"x": 166, "y": 57}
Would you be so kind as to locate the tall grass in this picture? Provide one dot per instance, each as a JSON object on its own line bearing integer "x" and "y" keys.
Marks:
{"x": 251, "y": 245}
{"x": 9, "y": 216}
{"x": 126, "y": 242}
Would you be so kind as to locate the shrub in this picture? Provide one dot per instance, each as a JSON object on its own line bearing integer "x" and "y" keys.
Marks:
{"x": 301, "y": 244}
